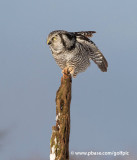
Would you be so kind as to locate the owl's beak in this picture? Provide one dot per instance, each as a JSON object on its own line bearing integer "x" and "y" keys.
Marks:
{"x": 48, "y": 42}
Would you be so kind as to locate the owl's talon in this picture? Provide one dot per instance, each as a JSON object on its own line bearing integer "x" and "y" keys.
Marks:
{"x": 71, "y": 70}
{"x": 67, "y": 71}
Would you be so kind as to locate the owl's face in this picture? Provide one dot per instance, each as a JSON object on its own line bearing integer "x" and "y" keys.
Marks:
{"x": 60, "y": 41}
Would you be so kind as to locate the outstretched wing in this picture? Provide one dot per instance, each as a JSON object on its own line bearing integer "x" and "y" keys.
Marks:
{"x": 94, "y": 52}
{"x": 85, "y": 33}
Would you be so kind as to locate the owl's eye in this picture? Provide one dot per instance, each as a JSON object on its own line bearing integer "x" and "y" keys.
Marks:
{"x": 54, "y": 38}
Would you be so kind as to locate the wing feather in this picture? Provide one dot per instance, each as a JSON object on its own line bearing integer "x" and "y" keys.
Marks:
{"x": 94, "y": 52}
{"x": 85, "y": 33}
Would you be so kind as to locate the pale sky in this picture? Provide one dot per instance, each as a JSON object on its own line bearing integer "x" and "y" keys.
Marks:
{"x": 104, "y": 105}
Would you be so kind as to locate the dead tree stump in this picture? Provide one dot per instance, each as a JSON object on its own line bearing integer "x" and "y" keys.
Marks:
{"x": 59, "y": 143}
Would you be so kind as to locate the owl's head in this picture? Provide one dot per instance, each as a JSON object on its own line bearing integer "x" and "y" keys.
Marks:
{"x": 60, "y": 41}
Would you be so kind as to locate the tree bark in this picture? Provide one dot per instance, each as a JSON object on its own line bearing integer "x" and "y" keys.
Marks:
{"x": 59, "y": 144}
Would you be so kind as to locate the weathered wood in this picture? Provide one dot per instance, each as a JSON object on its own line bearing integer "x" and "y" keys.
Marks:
{"x": 59, "y": 144}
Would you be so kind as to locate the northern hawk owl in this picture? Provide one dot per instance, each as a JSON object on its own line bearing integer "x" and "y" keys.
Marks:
{"x": 74, "y": 50}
